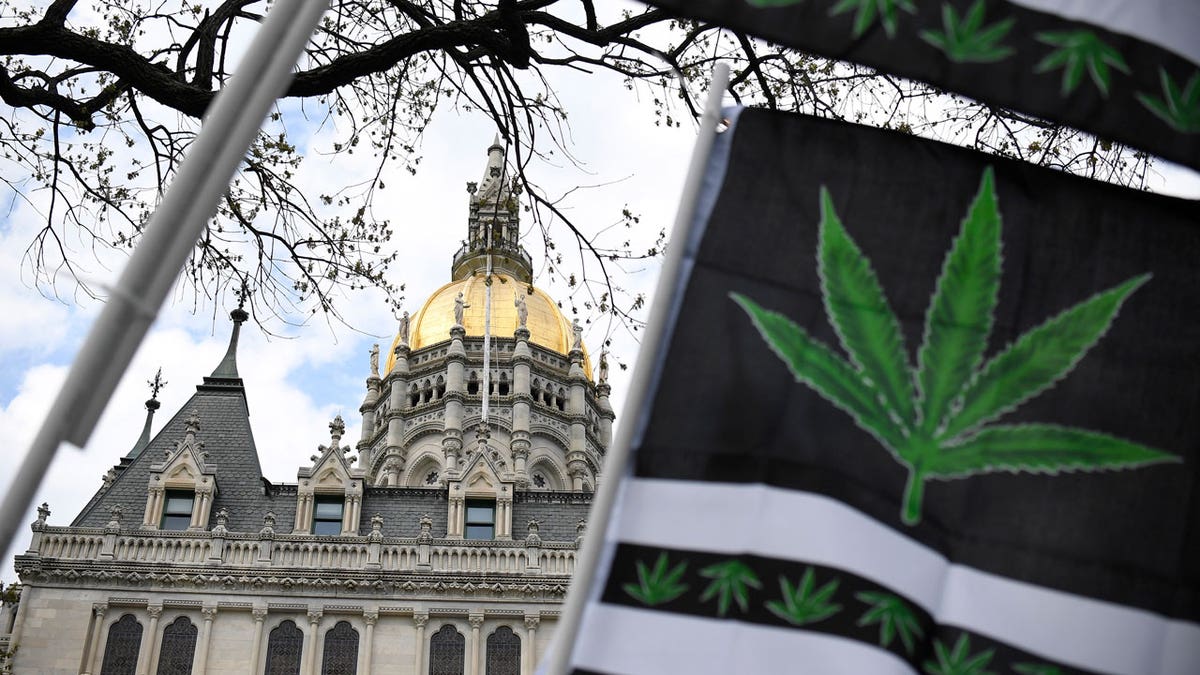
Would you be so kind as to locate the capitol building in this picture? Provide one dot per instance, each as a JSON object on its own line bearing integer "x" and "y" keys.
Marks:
{"x": 440, "y": 542}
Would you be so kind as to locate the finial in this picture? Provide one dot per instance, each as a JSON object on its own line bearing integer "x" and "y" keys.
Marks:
{"x": 156, "y": 386}
{"x": 337, "y": 428}
{"x": 192, "y": 424}
{"x": 239, "y": 315}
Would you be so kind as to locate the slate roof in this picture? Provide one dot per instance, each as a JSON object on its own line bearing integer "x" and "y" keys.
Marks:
{"x": 228, "y": 439}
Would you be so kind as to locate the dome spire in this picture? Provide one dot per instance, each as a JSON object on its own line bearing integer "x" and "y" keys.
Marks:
{"x": 493, "y": 225}
{"x": 227, "y": 368}
{"x": 152, "y": 405}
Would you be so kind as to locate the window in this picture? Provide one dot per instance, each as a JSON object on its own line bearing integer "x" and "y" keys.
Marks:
{"x": 178, "y": 647}
{"x": 121, "y": 650}
{"x": 327, "y": 514}
{"x": 283, "y": 649}
{"x": 447, "y": 649}
{"x": 481, "y": 519}
{"x": 177, "y": 509}
{"x": 341, "y": 650}
{"x": 503, "y": 652}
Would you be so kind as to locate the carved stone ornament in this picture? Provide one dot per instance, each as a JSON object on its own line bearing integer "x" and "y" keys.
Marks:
{"x": 222, "y": 516}
{"x": 420, "y": 619}
{"x": 426, "y": 534}
{"x": 531, "y": 622}
{"x": 370, "y": 618}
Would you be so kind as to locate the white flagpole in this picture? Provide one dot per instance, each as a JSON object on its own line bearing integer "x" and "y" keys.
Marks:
{"x": 653, "y": 344}
{"x": 234, "y": 118}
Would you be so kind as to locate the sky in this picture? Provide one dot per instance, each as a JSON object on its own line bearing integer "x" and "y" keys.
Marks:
{"x": 297, "y": 382}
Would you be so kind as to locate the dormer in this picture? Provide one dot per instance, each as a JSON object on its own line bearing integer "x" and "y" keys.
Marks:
{"x": 481, "y": 496}
{"x": 329, "y": 494}
{"x": 182, "y": 487}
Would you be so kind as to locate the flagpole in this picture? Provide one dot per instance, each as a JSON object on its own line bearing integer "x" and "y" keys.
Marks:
{"x": 233, "y": 120}
{"x": 669, "y": 283}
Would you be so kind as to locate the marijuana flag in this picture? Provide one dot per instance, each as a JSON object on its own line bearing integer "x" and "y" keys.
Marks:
{"x": 920, "y": 410}
{"x": 1125, "y": 71}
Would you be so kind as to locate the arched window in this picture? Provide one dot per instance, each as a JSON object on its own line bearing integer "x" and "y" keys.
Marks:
{"x": 121, "y": 650}
{"x": 473, "y": 385}
{"x": 341, "y": 650}
{"x": 284, "y": 647}
{"x": 503, "y": 652}
{"x": 503, "y": 387}
{"x": 178, "y": 647}
{"x": 446, "y": 651}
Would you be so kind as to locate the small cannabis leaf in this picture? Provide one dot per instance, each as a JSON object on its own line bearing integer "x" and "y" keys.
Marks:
{"x": 937, "y": 429}
{"x": 967, "y": 39}
{"x": 894, "y": 617}
{"x": 732, "y": 580}
{"x": 1037, "y": 669}
{"x": 658, "y": 585}
{"x": 801, "y": 604}
{"x": 958, "y": 661}
{"x": 1179, "y": 108}
{"x": 1079, "y": 50}
{"x": 867, "y": 11}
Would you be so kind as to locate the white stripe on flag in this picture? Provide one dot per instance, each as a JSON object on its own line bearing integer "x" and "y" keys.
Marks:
{"x": 1170, "y": 24}
{"x": 795, "y": 525}
{"x": 636, "y": 641}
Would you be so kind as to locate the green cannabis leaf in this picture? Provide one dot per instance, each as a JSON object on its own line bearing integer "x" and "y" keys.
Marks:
{"x": 894, "y": 617}
{"x": 1079, "y": 50}
{"x": 658, "y": 585}
{"x": 937, "y": 430}
{"x": 801, "y": 603}
{"x": 869, "y": 9}
{"x": 967, "y": 39}
{"x": 959, "y": 660}
{"x": 1037, "y": 669}
{"x": 732, "y": 580}
{"x": 1179, "y": 108}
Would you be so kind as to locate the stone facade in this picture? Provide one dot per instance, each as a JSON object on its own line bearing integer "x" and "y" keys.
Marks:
{"x": 442, "y": 542}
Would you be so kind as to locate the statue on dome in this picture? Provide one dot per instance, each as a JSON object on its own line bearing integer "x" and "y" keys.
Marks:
{"x": 578, "y": 331}
{"x": 404, "y": 321}
{"x": 375, "y": 360}
{"x": 522, "y": 310}
{"x": 603, "y": 366}
{"x": 459, "y": 306}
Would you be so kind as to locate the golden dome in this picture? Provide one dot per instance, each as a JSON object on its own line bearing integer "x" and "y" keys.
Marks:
{"x": 546, "y": 323}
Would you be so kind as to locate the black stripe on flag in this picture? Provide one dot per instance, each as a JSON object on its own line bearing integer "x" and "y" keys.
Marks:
{"x": 837, "y": 602}
{"x": 1137, "y": 90}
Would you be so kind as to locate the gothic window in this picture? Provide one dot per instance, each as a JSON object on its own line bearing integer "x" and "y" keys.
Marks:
{"x": 447, "y": 649}
{"x": 414, "y": 397}
{"x": 481, "y": 519}
{"x": 539, "y": 480}
{"x": 440, "y": 388}
{"x": 473, "y": 385}
{"x": 178, "y": 647}
{"x": 341, "y": 650}
{"x": 431, "y": 478}
{"x": 327, "y": 514}
{"x": 177, "y": 510}
{"x": 560, "y": 402}
{"x": 284, "y": 646}
{"x": 503, "y": 652}
{"x": 503, "y": 387}
{"x": 121, "y": 650}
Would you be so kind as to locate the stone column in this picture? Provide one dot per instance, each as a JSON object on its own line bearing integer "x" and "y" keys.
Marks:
{"x": 606, "y": 414}
{"x": 95, "y": 650}
{"x": 476, "y": 621}
{"x": 576, "y": 457}
{"x": 456, "y": 358}
{"x": 419, "y": 620}
{"x": 370, "y": 617}
{"x": 308, "y": 666}
{"x": 200, "y": 661}
{"x": 154, "y": 497}
{"x": 522, "y": 400}
{"x": 529, "y": 653}
{"x": 398, "y": 383}
{"x": 260, "y": 615}
{"x": 149, "y": 640}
